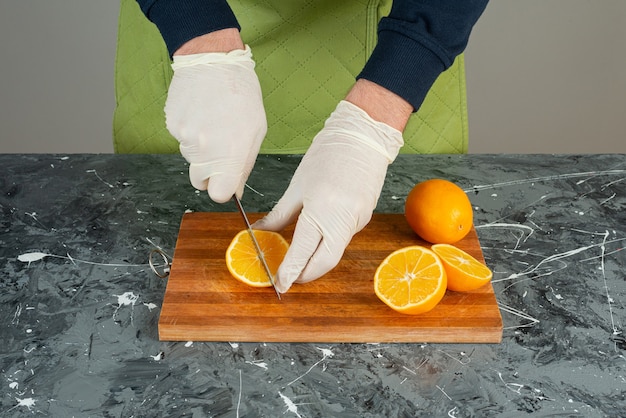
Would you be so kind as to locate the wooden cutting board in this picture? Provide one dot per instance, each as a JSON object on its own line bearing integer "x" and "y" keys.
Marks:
{"x": 203, "y": 302}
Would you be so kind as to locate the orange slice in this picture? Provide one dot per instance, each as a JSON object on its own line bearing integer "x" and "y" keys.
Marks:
{"x": 411, "y": 280}
{"x": 464, "y": 272}
{"x": 244, "y": 263}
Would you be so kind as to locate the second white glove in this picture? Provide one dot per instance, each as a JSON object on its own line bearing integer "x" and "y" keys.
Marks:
{"x": 215, "y": 110}
{"x": 333, "y": 192}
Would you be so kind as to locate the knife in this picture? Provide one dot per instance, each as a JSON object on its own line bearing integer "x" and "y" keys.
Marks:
{"x": 256, "y": 244}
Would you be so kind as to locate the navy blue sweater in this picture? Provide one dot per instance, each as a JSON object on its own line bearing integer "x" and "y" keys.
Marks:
{"x": 416, "y": 42}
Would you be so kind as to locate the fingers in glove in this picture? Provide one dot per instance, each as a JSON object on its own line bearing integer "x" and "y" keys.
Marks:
{"x": 284, "y": 213}
{"x": 332, "y": 246}
{"x": 197, "y": 176}
{"x": 306, "y": 239}
{"x": 312, "y": 253}
{"x": 325, "y": 258}
{"x": 247, "y": 169}
{"x": 222, "y": 179}
{"x": 220, "y": 185}
{"x": 228, "y": 179}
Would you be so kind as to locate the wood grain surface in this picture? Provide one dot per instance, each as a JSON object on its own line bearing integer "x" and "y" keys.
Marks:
{"x": 203, "y": 302}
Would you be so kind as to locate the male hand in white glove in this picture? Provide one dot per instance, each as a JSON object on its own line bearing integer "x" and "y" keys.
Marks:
{"x": 215, "y": 110}
{"x": 333, "y": 192}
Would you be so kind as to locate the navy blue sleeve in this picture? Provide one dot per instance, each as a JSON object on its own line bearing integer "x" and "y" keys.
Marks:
{"x": 182, "y": 20}
{"x": 417, "y": 42}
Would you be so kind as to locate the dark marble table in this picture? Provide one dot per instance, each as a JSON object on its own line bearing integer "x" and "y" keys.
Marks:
{"x": 79, "y": 305}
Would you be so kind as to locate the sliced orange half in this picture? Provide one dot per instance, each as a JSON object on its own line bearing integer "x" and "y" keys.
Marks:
{"x": 464, "y": 272}
{"x": 411, "y": 280}
{"x": 244, "y": 263}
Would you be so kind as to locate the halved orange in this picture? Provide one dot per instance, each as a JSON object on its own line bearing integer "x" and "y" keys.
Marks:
{"x": 244, "y": 263}
{"x": 464, "y": 272}
{"x": 411, "y": 280}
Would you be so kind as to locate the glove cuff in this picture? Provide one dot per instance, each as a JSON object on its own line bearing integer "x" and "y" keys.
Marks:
{"x": 236, "y": 56}
{"x": 349, "y": 119}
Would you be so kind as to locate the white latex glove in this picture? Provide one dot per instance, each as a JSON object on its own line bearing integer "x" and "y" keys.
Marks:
{"x": 214, "y": 108}
{"x": 332, "y": 193}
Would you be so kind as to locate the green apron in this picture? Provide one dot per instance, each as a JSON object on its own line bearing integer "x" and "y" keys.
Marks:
{"x": 307, "y": 55}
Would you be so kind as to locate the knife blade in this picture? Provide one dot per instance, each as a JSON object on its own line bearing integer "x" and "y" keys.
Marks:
{"x": 256, "y": 244}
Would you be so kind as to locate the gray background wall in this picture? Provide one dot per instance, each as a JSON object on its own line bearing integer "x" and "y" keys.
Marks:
{"x": 543, "y": 76}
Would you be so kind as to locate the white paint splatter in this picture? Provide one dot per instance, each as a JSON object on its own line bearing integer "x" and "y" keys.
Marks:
{"x": 99, "y": 178}
{"x": 234, "y": 345}
{"x": 409, "y": 370}
{"x": 444, "y": 392}
{"x": 514, "y": 387}
{"x": 16, "y": 315}
{"x": 531, "y": 321}
{"x": 254, "y": 190}
{"x": 546, "y": 260}
{"x": 326, "y": 354}
{"x": 609, "y": 298}
{"x": 452, "y": 413}
{"x": 127, "y": 298}
{"x": 27, "y": 402}
{"x": 519, "y": 227}
{"x": 258, "y": 363}
{"x": 291, "y": 407}
{"x": 607, "y": 199}
{"x": 188, "y": 344}
{"x": 30, "y": 257}
{"x": 159, "y": 356}
{"x": 240, "y": 389}
{"x": 463, "y": 362}
{"x": 544, "y": 179}
{"x": 37, "y": 256}
{"x": 150, "y": 306}
{"x": 14, "y": 385}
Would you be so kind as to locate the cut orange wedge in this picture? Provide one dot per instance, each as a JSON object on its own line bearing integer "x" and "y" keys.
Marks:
{"x": 464, "y": 272}
{"x": 411, "y": 280}
{"x": 244, "y": 263}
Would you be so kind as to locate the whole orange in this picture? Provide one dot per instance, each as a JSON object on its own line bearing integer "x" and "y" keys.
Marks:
{"x": 439, "y": 211}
